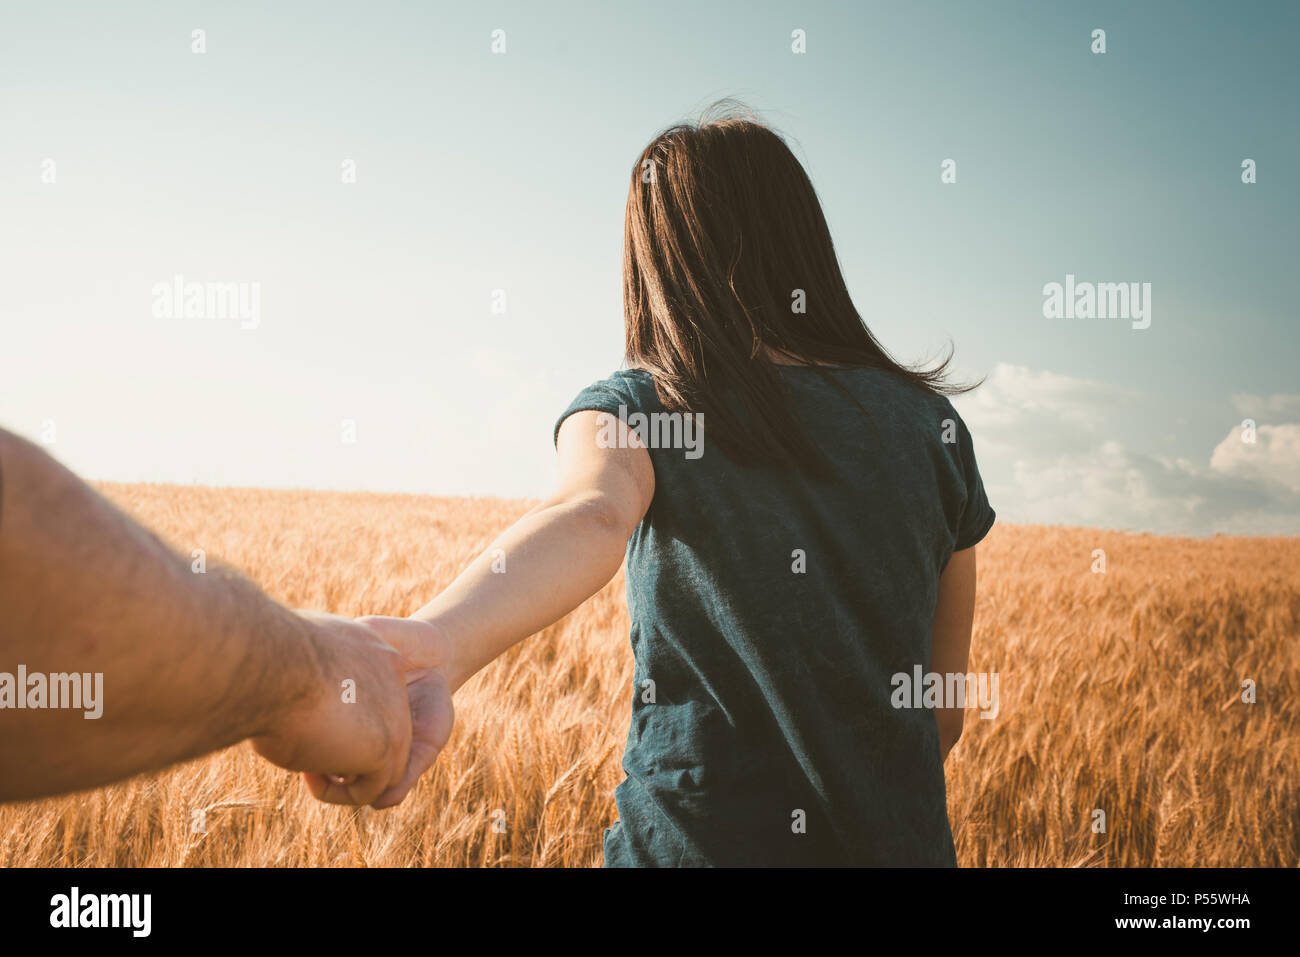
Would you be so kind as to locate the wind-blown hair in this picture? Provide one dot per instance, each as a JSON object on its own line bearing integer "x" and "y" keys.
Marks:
{"x": 723, "y": 235}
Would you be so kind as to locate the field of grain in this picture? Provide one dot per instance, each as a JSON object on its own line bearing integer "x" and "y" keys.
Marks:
{"x": 1120, "y": 691}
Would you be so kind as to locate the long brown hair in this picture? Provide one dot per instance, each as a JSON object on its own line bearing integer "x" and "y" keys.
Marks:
{"x": 723, "y": 227}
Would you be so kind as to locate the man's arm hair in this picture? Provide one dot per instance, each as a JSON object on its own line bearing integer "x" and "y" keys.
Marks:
{"x": 190, "y": 662}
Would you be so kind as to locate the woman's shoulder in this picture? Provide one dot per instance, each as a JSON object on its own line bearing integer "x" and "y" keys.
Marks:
{"x": 636, "y": 374}
{"x": 621, "y": 392}
{"x": 635, "y": 384}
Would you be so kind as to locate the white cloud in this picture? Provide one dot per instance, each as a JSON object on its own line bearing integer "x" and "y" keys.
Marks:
{"x": 1013, "y": 393}
{"x": 1018, "y": 411}
{"x": 1048, "y": 454}
{"x": 1274, "y": 456}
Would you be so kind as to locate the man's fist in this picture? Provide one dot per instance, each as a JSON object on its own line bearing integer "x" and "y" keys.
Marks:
{"x": 351, "y": 731}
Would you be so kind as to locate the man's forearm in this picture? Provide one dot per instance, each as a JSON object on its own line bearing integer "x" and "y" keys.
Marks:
{"x": 189, "y": 662}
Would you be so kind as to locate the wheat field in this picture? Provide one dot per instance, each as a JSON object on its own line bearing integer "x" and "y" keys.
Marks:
{"x": 1120, "y": 691}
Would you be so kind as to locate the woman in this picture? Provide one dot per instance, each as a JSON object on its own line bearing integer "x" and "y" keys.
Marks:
{"x": 813, "y": 540}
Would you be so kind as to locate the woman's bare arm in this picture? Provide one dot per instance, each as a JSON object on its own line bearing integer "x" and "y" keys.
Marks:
{"x": 954, "y": 615}
{"x": 548, "y": 563}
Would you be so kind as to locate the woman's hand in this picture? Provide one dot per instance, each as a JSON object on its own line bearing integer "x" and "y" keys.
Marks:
{"x": 428, "y": 689}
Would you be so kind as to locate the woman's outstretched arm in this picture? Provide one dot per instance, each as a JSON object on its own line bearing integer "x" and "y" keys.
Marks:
{"x": 548, "y": 563}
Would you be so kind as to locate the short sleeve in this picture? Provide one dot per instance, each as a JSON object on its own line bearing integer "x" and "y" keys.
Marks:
{"x": 977, "y": 515}
{"x": 615, "y": 395}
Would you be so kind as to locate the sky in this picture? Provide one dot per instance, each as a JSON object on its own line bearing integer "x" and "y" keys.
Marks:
{"x": 434, "y": 231}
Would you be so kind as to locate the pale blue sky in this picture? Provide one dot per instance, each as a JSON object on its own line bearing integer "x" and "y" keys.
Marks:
{"x": 478, "y": 171}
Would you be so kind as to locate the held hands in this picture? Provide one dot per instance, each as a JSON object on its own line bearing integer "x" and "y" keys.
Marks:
{"x": 423, "y": 650}
{"x": 370, "y": 743}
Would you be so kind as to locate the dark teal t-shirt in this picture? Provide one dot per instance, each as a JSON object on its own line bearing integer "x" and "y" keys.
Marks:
{"x": 769, "y": 612}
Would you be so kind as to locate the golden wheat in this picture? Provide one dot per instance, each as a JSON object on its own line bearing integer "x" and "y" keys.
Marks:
{"x": 1120, "y": 692}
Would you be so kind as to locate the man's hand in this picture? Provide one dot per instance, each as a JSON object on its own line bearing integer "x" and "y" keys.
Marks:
{"x": 189, "y": 663}
{"x": 425, "y": 651}
{"x": 358, "y": 743}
